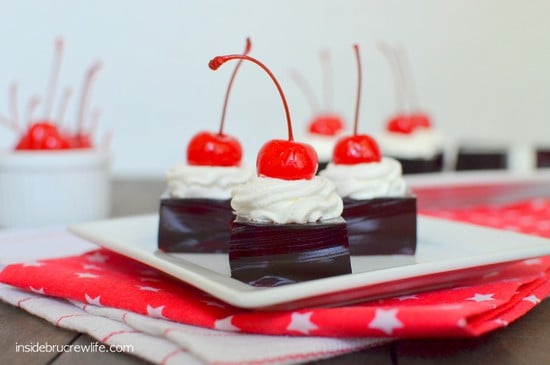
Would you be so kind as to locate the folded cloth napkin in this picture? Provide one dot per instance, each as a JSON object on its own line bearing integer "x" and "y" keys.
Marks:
{"x": 165, "y": 342}
{"x": 113, "y": 288}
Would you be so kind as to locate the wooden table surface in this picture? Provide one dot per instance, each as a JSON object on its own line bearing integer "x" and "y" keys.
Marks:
{"x": 526, "y": 341}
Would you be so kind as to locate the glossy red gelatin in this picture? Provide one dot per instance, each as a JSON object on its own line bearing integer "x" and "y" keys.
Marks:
{"x": 478, "y": 159}
{"x": 421, "y": 165}
{"x": 543, "y": 157}
{"x": 381, "y": 226}
{"x": 194, "y": 225}
{"x": 266, "y": 254}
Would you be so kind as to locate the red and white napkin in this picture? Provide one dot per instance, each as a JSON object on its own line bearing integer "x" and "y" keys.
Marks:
{"x": 119, "y": 301}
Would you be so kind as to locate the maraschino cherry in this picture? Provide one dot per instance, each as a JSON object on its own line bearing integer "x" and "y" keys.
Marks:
{"x": 326, "y": 124}
{"x": 217, "y": 149}
{"x": 44, "y": 133}
{"x": 404, "y": 123}
{"x": 281, "y": 159}
{"x": 359, "y": 148}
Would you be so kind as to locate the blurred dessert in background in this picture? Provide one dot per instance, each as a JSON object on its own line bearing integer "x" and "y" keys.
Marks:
{"x": 409, "y": 135}
{"x": 326, "y": 126}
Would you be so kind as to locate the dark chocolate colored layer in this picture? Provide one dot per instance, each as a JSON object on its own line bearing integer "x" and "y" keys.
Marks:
{"x": 421, "y": 165}
{"x": 381, "y": 226}
{"x": 478, "y": 160}
{"x": 194, "y": 225}
{"x": 322, "y": 166}
{"x": 543, "y": 157}
{"x": 263, "y": 254}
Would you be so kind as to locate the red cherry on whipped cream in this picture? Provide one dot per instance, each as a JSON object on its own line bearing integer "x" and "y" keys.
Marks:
{"x": 407, "y": 124}
{"x": 358, "y": 148}
{"x": 281, "y": 159}
{"x": 217, "y": 149}
{"x": 214, "y": 149}
{"x": 327, "y": 125}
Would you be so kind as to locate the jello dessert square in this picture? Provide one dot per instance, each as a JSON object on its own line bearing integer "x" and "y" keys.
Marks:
{"x": 410, "y": 135}
{"x": 381, "y": 226}
{"x": 379, "y": 210}
{"x": 543, "y": 156}
{"x": 267, "y": 254}
{"x": 287, "y": 231}
{"x": 482, "y": 155}
{"x": 412, "y": 140}
{"x": 288, "y": 226}
{"x": 194, "y": 225}
{"x": 195, "y": 212}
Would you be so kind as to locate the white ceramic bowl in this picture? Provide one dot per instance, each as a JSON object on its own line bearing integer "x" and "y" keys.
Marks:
{"x": 40, "y": 188}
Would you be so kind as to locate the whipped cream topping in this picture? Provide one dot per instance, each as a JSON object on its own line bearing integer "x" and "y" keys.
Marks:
{"x": 210, "y": 182}
{"x": 367, "y": 180}
{"x": 323, "y": 145}
{"x": 264, "y": 199}
{"x": 422, "y": 143}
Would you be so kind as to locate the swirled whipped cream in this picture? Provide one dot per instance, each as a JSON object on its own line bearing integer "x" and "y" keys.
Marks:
{"x": 210, "y": 182}
{"x": 367, "y": 180}
{"x": 422, "y": 143}
{"x": 323, "y": 145}
{"x": 264, "y": 199}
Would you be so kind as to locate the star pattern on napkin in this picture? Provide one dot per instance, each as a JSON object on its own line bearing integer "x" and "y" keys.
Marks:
{"x": 91, "y": 267}
{"x": 407, "y": 297}
{"x": 532, "y": 298}
{"x": 385, "y": 321}
{"x": 225, "y": 324}
{"x": 94, "y": 301}
{"x": 32, "y": 264}
{"x": 155, "y": 312}
{"x": 97, "y": 257}
{"x": 481, "y": 297}
{"x": 37, "y": 290}
{"x": 86, "y": 275}
{"x": 301, "y": 322}
{"x": 148, "y": 288}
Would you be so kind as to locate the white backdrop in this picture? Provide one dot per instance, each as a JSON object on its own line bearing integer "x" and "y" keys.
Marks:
{"x": 482, "y": 67}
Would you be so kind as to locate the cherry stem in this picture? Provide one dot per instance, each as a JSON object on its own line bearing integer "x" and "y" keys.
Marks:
{"x": 398, "y": 80}
{"x": 31, "y": 108}
{"x": 405, "y": 67}
{"x": 6, "y": 121}
{"x": 13, "y": 107}
{"x": 54, "y": 77}
{"x": 307, "y": 90}
{"x": 94, "y": 120}
{"x": 216, "y": 62}
{"x": 107, "y": 139}
{"x": 359, "y": 82}
{"x": 92, "y": 71}
{"x": 63, "y": 105}
{"x": 327, "y": 79}
{"x": 230, "y": 85}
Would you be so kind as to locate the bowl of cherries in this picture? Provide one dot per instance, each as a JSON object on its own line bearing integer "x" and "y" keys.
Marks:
{"x": 54, "y": 173}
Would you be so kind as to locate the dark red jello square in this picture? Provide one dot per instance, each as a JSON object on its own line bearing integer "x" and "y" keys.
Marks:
{"x": 381, "y": 226}
{"x": 421, "y": 165}
{"x": 267, "y": 254}
{"x": 194, "y": 225}
{"x": 543, "y": 157}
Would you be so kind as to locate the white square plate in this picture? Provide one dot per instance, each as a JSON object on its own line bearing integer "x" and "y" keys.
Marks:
{"x": 448, "y": 253}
